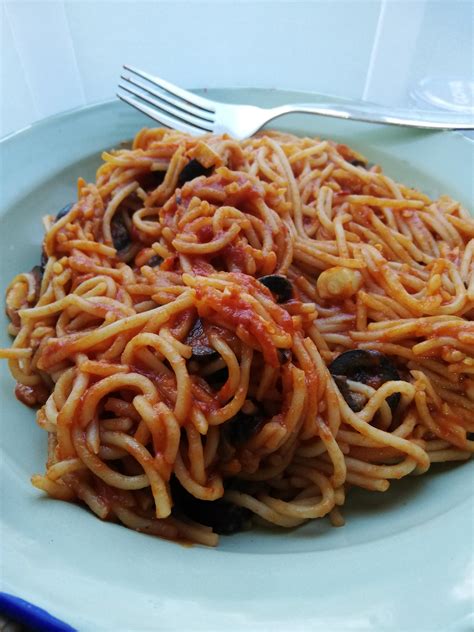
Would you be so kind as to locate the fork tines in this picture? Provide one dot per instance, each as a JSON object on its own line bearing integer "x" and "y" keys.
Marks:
{"x": 171, "y": 105}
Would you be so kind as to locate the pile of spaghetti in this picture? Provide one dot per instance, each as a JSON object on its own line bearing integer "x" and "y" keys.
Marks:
{"x": 223, "y": 332}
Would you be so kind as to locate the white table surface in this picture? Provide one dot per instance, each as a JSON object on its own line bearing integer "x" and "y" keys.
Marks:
{"x": 57, "y": 55}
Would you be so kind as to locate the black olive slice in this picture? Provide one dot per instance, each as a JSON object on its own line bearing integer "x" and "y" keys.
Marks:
{"x": 284, "y": 355}
{"x": 64, "y": 211}
{"x": 192, "y": 170}
{"x": 155, "y": 261}
{"x": 224, "y": 517}
{"x": 37, "y": 272}
{"x": 367, "y": 366}
{"x": 356, "y": 401}
{"x": 44, "y": 259}
{"x": 151, "y": 180}
{"x": 203, "y": 352}
{"x": 120, "y": 235}
{"x": 361, "y": 163}
{"x": 242, "y": 427}
{"x": 279, "y": 286}
{"x": 197, "y": 339}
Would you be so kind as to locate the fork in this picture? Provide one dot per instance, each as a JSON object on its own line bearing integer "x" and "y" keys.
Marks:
{"x": 183, "y": 110}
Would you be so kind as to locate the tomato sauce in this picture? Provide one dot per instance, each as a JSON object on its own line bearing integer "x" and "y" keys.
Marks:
{"x": 236, "y": 311}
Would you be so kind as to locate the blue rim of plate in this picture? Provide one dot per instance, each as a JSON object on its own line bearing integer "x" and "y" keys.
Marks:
{"x": 26, "y": 613}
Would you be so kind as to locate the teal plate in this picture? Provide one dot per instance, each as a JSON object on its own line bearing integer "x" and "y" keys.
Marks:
{"x": 404, "y": 560}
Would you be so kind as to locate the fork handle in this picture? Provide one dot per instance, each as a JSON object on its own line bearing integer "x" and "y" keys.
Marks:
{"x": 378, "y": 114}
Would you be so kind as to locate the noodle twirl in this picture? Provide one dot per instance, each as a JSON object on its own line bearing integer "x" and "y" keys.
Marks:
{"x": 225, "y": 331}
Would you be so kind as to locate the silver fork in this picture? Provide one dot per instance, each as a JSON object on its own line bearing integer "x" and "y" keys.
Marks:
{"x": 183, "y": 110}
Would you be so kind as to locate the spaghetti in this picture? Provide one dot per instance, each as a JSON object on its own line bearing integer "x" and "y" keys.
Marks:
{"x": 225, "y": 331}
